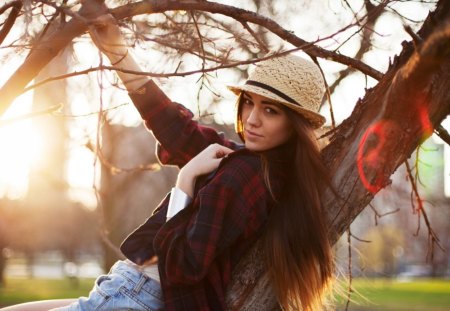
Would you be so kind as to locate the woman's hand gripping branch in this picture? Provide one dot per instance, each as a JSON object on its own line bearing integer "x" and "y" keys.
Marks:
{"x": 106, "y": 35}
{"x": 203, "y": 163}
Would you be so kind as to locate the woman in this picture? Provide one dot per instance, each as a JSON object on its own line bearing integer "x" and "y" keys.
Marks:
{"x": 227, "y": 195}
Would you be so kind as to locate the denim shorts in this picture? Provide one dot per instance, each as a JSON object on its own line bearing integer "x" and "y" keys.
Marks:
{"x": 123, "y": 288}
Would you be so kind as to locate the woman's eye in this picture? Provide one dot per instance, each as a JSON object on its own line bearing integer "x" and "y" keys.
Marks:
{"x": 271, "y": 110}
{"x": 247, "y": 102}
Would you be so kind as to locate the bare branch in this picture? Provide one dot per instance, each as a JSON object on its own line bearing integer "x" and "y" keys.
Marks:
{"x": 250, "y": 30}
{"x": 155, "y": 75}
{"x": 443, "y": 134}
{"x": 49, "y": 110}
{"x": 416, "y": 38}
{"x": 378, "y": 215}
{"x": 50, "y": 46}
{"x": 16, "y": 6}
{"x": 359, "y": 239}
{"x": 241, "y": 15}
{"x": 433, "y": 238}
{"x": 373, "y": 14}
{"x": 349, "y": 267}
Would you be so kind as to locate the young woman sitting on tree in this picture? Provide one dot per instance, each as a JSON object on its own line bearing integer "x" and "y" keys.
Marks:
{"x": 227, "y": 195}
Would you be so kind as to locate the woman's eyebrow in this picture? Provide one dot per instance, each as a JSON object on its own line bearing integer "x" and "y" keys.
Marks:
{"x": 247, "y": 95}
{"x": 271, "y": 103}
{"x": 264, "y": 102}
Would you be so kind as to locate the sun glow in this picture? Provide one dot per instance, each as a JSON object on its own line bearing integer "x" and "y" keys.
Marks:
{"x": 21, "y": 148}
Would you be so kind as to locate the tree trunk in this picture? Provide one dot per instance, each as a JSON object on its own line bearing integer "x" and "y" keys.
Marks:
{"x": 2, "y": 267}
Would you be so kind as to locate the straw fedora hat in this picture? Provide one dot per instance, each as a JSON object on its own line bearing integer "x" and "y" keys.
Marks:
{"x": 289, "y": 80}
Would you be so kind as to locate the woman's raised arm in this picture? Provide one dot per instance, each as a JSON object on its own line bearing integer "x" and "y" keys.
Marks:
{"x": 180, "y": 138}
{"x": 107, "y": 36}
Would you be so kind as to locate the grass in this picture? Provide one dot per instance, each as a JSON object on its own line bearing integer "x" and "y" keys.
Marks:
{"x": 390, "y": 295}
{"x": 18, "y": 290}
{"x": 379, "y": 294}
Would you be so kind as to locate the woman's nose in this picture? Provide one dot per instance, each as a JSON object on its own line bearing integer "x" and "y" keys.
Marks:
{"x": 254, "y": 118}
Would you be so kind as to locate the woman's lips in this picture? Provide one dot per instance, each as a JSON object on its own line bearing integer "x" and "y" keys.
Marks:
{"x": 250, "y": 134}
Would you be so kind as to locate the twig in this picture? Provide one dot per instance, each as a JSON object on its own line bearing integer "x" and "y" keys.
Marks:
{"x": 416, "y": 38}
{"x": 443, "y": 134}
{"x": 432, "y": 237}
{"x": 373, "y": 13}
{"x": 100, "y": 207}
{"x": 63, "y": 9}
{"x": 200, "y": 38}
{"x": 350, "y": 276}
{"x": 30, "y": 115}
{"x": 90, "y": 113}
{"x": 327, "y": 93}
{"x": 157, "y": 75}
{"x": 202, "y": 48}
{"x": 250, "y": 30}
{"x": 118, "y": 170}
{"x": 378, "y": 215}
{"x": 359, "y": 239}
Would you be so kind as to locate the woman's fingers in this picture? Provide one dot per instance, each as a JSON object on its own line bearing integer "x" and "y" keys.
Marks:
{"x": 208, "y": 160}
{"x": 106, "y": 35}
{"x": 220, "y": 151}
{"x": 203, "y": 163}
{"x": 104, "y": 20}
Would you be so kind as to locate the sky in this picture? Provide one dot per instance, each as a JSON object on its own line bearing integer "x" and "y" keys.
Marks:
{"x": 22, "y": 143}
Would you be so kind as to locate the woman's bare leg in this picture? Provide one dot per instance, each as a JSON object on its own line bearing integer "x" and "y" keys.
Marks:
{"x": 43, "y": 305}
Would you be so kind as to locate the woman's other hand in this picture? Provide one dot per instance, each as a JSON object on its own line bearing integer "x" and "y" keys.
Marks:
{"x": 205, "y": 162}
{"x": 106, "y": 35}
{"x": 108, "y": 38}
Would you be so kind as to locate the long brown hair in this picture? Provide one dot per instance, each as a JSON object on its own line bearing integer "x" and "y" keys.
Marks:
{"x": 297, "y": 251}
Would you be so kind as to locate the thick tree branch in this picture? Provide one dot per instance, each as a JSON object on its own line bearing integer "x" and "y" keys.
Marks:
{"x": 16, "y": 6}
{"x": 53, "y": 43}
{"x": 407, "y": 111}
{"x": 241, "y": 15}
{"x": 43, "y": 52}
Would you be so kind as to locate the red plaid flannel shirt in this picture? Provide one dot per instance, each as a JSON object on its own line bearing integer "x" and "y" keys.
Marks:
{"x": 198, "y": 248}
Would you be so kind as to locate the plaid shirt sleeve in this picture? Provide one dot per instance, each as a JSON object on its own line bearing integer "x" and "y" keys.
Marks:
{"x": 179, "y": 137}
{"x": 137, "y": 246}
{"x": 232, "y": 206}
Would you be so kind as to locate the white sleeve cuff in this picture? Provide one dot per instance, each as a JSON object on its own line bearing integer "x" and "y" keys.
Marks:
{"x": 178, "y": 201}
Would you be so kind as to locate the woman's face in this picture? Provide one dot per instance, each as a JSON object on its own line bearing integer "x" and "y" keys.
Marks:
{"x": 266, "y": 124}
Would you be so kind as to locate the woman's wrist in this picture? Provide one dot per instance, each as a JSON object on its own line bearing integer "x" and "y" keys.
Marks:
{"x": 114, "y": 61}
{"x": 186, "y": 181}
{"x": 125, "y": 60}
{"x": 117, "y": 55}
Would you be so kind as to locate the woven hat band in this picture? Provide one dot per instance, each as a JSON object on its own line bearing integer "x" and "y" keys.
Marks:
{"x": 273, "y": 90}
